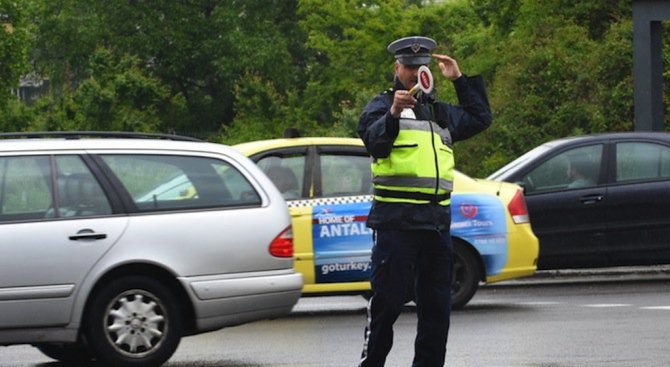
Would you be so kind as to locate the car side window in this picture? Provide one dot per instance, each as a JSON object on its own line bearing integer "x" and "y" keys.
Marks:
{"x": 25, "y": 188}
{"x": 637, "y": 161}
{"x": 343, "y": 175}
{"x": 287, "y": 172}
{"x": 572, "y": 169}
{"x": 169, "y": 182}
{"x": 79, "y": 193}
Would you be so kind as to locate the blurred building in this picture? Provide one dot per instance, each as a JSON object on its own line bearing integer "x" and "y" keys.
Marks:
{"x": 30, "y": 89}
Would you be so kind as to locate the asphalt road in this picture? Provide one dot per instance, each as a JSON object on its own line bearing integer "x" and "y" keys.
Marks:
{"x": 613, "y": 317}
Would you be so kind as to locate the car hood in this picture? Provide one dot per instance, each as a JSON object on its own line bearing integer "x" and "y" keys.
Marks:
{"x": 466, "y": 184}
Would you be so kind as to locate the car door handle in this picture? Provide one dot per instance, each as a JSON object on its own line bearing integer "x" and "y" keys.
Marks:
{"x": 591, "y": 199}
{"x": 88, "y": 234}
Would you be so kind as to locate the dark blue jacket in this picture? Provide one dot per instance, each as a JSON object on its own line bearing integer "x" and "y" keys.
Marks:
{"x": 378, "y": 129}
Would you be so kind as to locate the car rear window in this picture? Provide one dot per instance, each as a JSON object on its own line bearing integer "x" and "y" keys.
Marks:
{"x": 169, "y": 182}
{"x": 637, "y": 161}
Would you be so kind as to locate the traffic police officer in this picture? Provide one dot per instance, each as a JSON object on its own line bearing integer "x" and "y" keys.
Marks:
{"x": 410, "y": 140}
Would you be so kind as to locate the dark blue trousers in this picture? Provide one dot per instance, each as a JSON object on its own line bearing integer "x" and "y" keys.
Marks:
{"x": 400, "y": 259}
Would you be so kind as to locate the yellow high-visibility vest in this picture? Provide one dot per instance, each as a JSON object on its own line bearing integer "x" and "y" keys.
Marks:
{"x": 420, "y": 168}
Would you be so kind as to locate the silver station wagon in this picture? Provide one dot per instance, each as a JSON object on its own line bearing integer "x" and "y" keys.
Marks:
{"x": 102, "y": 258}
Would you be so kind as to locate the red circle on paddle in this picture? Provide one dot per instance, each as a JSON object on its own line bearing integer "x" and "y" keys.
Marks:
{"x": 425, "y": 79}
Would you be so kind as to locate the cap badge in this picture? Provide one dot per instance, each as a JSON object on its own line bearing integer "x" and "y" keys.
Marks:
{"x": 415, "y": 47}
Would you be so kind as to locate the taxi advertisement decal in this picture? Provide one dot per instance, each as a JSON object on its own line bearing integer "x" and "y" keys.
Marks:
{"x": 342, "y": 242}
{"x": 480, "y": 220}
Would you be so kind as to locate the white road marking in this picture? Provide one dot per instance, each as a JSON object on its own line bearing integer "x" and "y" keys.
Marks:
{"x": 667, "y": 308}
{"x": 605, "y": 305}
{"x": 594, "y": 305}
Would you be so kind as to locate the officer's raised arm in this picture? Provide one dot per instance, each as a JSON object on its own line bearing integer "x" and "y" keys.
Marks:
{"x": 448, "y": 66}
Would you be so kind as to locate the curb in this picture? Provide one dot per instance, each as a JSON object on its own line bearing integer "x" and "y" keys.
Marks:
{"x": 613, "y": 274}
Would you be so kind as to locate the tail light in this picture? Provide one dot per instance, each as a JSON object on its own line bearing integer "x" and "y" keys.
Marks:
{"x": 517, "y": 208}
{"x": 282, "y": 245}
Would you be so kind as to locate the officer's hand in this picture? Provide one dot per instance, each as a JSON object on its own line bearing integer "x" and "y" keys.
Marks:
{"x": 401, "y": 100}
{"x": 448, "y": 66}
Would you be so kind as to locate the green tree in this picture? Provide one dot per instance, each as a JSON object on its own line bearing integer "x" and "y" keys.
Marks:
{"x": 232, "y": 71}
{"x": 14, "y": 45}
{"x": 554, "y": 78}
{"x": 115, "y": 94}
{"x": 203, "y": 49}
{"x": 15, "y": 42}
{"x": 347, "y": 51}
{"x": 118, "y": 95}
{"x": 613, "y": 70}
{"x": 200, "y": 50}
{"x": 66, "y": 34}
{"x": 343, "y": 63}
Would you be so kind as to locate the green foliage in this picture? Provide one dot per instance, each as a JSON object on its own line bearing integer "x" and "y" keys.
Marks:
{"x": 114, "y": 95}
{"x": 14, "y": 40}
{"x": 498, "y": 14}
{"x": 196, "y": 50}
{"x": 15, "y": 115}
{"x": 263, "y": 112}
{"x": 118, "y": 96}
{"x": 613, "y": 72}
{"x": 202, "y": 50}
{"x": 66, "y": 34}
{"x": 558, "y": 76}
{"x": 233, "y": 71}
{"x": 346, "y": 41}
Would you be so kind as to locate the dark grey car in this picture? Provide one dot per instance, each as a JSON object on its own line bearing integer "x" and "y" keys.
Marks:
{"x": 598, "y": 200}
{"x": 101, "y": 257}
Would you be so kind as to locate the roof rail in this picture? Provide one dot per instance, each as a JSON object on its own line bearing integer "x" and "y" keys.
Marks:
{"x": 95, "y": 134}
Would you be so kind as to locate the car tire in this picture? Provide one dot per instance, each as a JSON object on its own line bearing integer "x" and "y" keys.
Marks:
{"x": 133, "y": 321}
{"x": 466, "y": 275}
{"x": 73, "y": 354}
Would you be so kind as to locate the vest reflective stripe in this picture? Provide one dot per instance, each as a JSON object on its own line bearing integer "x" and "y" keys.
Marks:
{"x": 413, "y": 182}
{"x": 412, "y": 195}
{"x": 421, "y": 125}
{"x": 421, "y": 153}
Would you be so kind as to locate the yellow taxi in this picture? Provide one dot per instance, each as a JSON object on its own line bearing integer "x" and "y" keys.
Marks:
{"x": 327, "y": 184}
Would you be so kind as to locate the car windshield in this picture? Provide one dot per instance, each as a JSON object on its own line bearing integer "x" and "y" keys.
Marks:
{"x": 503, "y": 172}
